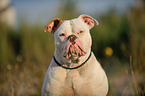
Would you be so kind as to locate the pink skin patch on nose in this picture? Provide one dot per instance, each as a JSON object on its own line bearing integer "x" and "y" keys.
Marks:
{"x": 73, "y": 49}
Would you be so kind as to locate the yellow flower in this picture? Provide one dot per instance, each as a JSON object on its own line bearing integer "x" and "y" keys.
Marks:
{"x": 108, "y": 51}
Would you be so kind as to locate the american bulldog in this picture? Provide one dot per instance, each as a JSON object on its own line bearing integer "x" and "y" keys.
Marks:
{"x": 74, "y": 70}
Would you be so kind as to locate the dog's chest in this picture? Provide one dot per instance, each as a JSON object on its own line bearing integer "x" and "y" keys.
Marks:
{"x": 75, "y": 80}
{"x": 78, "y": 83}
{"x": 72, "y": 76}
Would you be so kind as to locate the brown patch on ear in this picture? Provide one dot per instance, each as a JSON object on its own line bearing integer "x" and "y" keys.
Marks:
{"x": 90, "y": 21}
{"x": 53, "y": 25}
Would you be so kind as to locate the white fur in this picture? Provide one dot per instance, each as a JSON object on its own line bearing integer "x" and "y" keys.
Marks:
{"x": 88, "y": 80}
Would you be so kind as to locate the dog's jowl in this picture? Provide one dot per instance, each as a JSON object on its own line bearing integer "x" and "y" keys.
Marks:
{"x": 74, "y": 70}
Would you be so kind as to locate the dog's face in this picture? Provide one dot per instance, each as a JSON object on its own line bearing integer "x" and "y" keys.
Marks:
{"x": 72, "y": 37}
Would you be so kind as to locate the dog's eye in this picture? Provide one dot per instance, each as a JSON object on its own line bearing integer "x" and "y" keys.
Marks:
{"x": 62, "y": 34}
{"x": 80, "y": 32}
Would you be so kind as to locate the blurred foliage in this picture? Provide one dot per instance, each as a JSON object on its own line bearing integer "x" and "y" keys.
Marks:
{"x": 68, "y": 10}
{"x": 25, "y": 57}
{"x": 136, "y": 21}
{"x": 112, "y": 32}
{"x": 25, "y": 53}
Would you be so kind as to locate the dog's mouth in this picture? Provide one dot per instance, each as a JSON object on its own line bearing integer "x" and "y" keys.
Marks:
{"x": 74, "y": 49}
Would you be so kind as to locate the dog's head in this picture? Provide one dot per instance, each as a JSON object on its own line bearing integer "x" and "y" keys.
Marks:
{"x": 72, "y": 37}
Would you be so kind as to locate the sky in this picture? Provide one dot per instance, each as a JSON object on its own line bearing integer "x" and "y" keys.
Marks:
{"x": 44, "y": 10}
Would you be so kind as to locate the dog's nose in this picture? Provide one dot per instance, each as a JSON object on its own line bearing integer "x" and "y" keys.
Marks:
{"x": 72, "y": 38}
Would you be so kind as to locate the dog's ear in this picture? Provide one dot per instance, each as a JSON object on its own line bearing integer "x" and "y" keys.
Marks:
{"x": 53, "y": 25}
{"x": 90, "y": 21}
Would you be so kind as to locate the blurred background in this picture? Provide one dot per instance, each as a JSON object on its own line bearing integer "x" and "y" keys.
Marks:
{"x": 26, "y": 51}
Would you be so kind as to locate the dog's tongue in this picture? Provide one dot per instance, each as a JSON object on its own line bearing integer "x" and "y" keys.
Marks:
{"x": 74, "y": 49}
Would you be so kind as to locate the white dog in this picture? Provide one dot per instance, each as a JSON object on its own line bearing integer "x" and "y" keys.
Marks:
{"x": 74, "y": 70}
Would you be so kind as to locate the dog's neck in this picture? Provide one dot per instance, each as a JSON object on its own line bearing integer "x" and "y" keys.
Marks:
{"x": 70, "y": 62}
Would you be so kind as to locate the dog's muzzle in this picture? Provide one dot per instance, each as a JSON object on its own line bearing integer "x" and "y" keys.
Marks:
{"x": 73, "y": 47}
{"x": 72, "y": 38}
